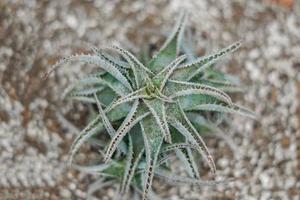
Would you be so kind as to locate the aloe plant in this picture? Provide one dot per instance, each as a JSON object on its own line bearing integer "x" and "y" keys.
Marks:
{"x": 151, "y": 110}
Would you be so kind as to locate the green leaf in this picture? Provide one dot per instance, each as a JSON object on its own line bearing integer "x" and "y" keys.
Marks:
{"x": 176, "y": 146}
{"x": 153, "y": 140}
{"x": 128, "y": 166}
{"x": 187, "y": 71}
{"x": 85, "y": 92}
{"x": 84, "y": 99}
{"x": 114, "y": 84}
{"x": 170, "y": 49}
{"x": 94, "y": 127}
{"x": 192, "y": 163}
{"x": 130, "y": 174}
{"x": 163, "y": 76}
{"x": 172, "y": 178}
{"x": 181, "y": 88}
{"x": 139, "y": 70}
{"x": 109, "y": 128}
{"x": 201, "y": 123}
{"x": 184, "y": 126}
{"x": 116, "y": 170}
{"x": 138, "y": 94}
{"x": 90, "y": 80}
{"x": 217, "y": 75}
{"x": 235, "y": 109}
{"x": 93, "y": 59}
{"x": 188, "y": 162}
{"x": 158, "y": 111}
{"x": 97, "y": 185}
{"x": 131, "y": 119}
{"x": 92, "y": 169}
{"x": 223, "y": 85}
{"x": 110, "y": 59}
{"x": 111, "y": 131}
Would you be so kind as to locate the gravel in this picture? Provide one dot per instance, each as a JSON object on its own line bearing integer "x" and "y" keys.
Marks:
{"x": 37, "y": 126}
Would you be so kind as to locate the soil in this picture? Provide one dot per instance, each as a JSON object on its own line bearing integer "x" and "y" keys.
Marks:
{"x": 37, "y": 126}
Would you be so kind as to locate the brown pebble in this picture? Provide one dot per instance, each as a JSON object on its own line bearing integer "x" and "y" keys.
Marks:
{"x": 285, "y": 142}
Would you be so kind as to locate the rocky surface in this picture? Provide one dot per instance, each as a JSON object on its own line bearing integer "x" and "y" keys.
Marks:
{"x": 37, "y": 126}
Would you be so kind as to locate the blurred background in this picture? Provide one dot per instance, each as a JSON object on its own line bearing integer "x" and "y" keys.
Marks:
{"x": 37, "y": 126}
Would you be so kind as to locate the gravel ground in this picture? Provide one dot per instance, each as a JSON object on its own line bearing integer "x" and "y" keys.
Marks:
{"x": 37, "y": 126}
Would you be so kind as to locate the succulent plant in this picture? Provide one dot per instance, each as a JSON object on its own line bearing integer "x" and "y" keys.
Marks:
{"x": 151, "y": 110}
